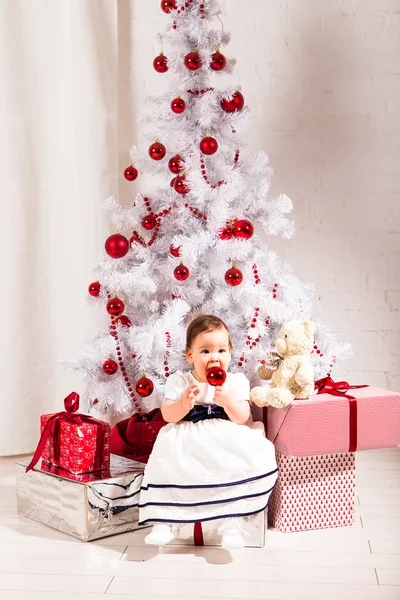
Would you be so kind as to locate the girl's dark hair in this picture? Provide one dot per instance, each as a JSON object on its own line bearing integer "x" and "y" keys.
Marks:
{"x": 204, "y": 323}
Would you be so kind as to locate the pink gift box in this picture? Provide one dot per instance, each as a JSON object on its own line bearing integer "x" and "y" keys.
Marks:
{"x": 322, "y": 425}
{"x": 313, "y": 492}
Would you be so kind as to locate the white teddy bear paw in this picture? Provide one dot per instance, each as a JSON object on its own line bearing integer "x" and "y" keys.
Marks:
{"x": 258, "y": 396}
{"x": 280, "y": 397}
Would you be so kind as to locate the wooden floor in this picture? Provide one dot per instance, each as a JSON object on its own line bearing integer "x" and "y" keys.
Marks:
{"x": 360, "y": 562}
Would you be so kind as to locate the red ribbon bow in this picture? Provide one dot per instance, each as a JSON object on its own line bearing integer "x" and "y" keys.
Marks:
{"x": 340, "y": 388}
{"x": 52, "y": 431}
{"x": 336, "y": 388}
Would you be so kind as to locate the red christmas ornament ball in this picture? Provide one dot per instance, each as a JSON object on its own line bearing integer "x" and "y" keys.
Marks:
{"x": 225, "y": 233}
{"x": 192, "y": 61}
{"x": 149, "y": 222}
{"x": 216, "y": 376}
{"x": 181, "y": 273}
{"x": 180, "y": 185}
{"x": 172, "y": 182}
{"x": 94, "y": 289}
{"x": 233, "y": 105}
{"x": 123, "y": 320}
{"x": 175, "y": 251}
{"x": 178, "y": 105}
{"x": 175, "y": 164}
{"x": 208, "y": 145}
{"x": 243, "y": 229}
{"x": 116, "y": 245}
{"x": 144, "y": 387}
{"x": 233, "y": 277}
{"x": 218, "y": 61}
{"x": 130, "y": 173}
{"x": 115, "y": 307}
{"x": 157, "y": 151}
{"x": 168, "y": 5}
{"x": 160, "y": 63}
{"x": 110, "y": 367}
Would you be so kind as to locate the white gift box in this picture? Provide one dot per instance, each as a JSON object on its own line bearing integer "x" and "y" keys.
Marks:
{"x": 253, "y": 532}
{"x": 88, "y": 510}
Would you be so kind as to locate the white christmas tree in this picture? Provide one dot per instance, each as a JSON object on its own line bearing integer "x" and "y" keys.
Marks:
{"x": 194, "y": 245}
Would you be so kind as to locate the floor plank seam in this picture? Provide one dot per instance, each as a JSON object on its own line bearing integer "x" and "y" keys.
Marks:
{"x": 106, "y": 590}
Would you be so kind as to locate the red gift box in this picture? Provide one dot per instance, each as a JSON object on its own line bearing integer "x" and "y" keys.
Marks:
{"x": 72, "y": 441}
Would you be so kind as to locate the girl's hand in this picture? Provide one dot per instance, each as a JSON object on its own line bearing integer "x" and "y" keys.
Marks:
{"x": 189, "y": 396}
{"x": 222, "y": 397}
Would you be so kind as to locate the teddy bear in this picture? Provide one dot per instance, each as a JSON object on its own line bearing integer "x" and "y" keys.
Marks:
{"x": 290, "y": 370}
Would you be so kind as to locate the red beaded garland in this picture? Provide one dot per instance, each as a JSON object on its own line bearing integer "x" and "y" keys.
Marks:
{"x": 157, "y": 151}
{"x": 256, "y": 275}
{"x": 181, "y": 273}
{"x": 175, "y": 251}
{"x": 250, "y": 342}
{"x": 94, "y": 289}
{"x": 234, "y": 276}
{"x": 116, "y": 245}
{"x": 218, "y": 61}
{"x": 216, "y": 376}
{"x": 196, "y": 212}
{"x": 175, "y": 164}
{"x": 130, "y": 173}
{"x": 160, "y": 63}
{"x": 168, "y": 5}
{"x": 192, "y": 61}
{"x": 233, "y": 105}
{"x": 149, "y": 222}
{"x": 115, "y": 307}
{"x": 144, "y": 387}
{"x": 200, "y": 92}
{"x": 167, "y": 352}
{"x": 243, "y": 229}
{"x": 208, "y": 145}
{"x": 110, "y": 367}
{"x": 204, "y": 173}
{"x": 127, "y": 382}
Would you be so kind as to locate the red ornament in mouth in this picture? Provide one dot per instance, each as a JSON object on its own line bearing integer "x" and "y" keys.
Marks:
{"x": 216, "y": 376}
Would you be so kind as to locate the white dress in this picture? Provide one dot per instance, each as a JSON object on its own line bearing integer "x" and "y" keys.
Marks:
{"x": 212, "y": 469}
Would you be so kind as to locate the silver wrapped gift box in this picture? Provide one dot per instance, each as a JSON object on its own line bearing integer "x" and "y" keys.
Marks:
{"x": 94, "y": 507}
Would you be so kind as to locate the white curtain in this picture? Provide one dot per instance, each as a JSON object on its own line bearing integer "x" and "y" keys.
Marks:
{"x": 58, "y": 162}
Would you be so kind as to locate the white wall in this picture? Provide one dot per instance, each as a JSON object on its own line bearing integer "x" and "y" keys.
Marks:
{"x": 322, "y": 80}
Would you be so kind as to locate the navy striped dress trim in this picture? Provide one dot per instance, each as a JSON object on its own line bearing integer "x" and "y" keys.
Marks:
{"x": 214, "y": 518}
{"x": 213, "y": 485}
{"x": 207, "y": 503}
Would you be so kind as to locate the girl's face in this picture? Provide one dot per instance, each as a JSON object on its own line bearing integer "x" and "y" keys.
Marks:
{"x": 209, "y": 349}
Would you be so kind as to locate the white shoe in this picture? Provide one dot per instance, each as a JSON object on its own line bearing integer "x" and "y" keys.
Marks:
{"x": 160, "y": 535}
{"x": 232, "y": 540}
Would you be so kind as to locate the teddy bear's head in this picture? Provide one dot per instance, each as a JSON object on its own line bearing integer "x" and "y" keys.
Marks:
{"x": 295, "y": 337}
